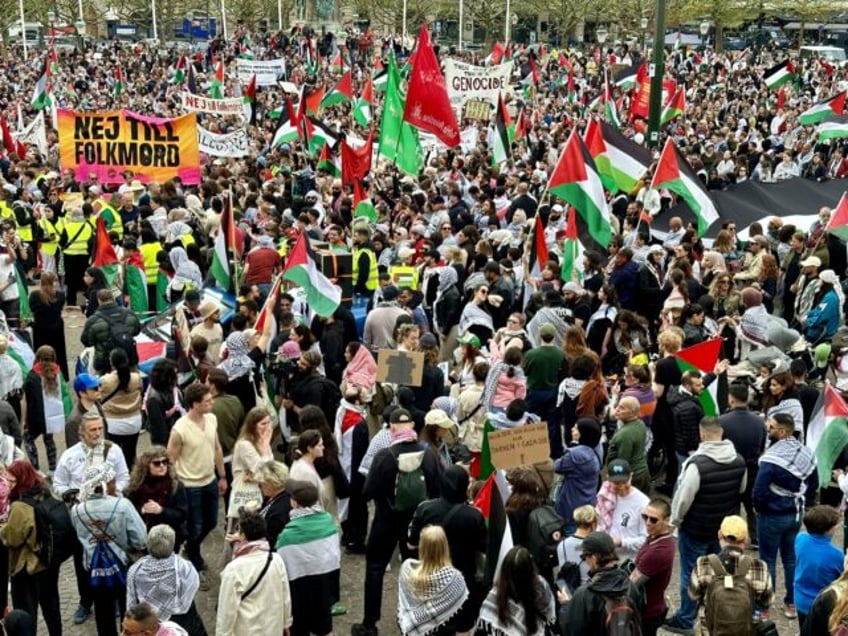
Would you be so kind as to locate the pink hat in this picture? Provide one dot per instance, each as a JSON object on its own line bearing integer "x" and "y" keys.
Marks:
{"x": 291, "y": 349}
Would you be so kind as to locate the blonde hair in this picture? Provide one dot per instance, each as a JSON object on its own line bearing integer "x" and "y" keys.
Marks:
{"x": 272, "y": 473}
{"x": 585, "y": 516}
{"x": 670, "y": 340}
{"x": 4, "y": 344}
{"x": 840, "y": 605}
{"x": 433, "y": 555}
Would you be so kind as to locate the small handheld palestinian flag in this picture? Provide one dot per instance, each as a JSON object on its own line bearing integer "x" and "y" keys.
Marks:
{"x": 675, "y": 106}
{"x": 118, "y": 87}
{"x": 249, "y": 101}
{"x": 364, "y": 105}
{"x": 216, "y": 90}
{"x": 327, "y": 163}
{"x": 180, "y": 71}
{"x": 778, "y": 75}
{"x": 341, "y": 93}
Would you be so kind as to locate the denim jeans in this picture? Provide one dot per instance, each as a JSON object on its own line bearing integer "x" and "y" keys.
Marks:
{"x": 543, "y": 404}
{"x": 202, "y": 518}
{"x": 776, "y": 533}
{"x": 690, "y": 549}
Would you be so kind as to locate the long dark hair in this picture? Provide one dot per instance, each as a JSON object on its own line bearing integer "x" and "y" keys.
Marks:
{"x": 312, "y": 417}
{"x": 121, "y": 364}
{"x": 518, "y": 582}
{"x": 99, "y": 281}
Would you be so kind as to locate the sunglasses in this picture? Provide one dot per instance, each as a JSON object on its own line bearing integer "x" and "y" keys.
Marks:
{"x": 160, "y": 462}
{"x": 649, "y": 518}
{"x": 483, "y": 291}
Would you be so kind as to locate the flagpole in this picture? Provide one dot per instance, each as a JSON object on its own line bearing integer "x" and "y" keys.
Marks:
{"x": 23, "y": 28}
{"x": 507, "y": 19}
{"x": 280, "y": 14}
{"x": 153, "y": 17}
{"x": 403, "y": 43}
{"x": 461, "y": 7}
{"x": 224, "y": 19}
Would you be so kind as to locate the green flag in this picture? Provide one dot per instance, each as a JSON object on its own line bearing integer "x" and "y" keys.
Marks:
{"x": 23, "y": 300}
{"x": 398, "y": 140}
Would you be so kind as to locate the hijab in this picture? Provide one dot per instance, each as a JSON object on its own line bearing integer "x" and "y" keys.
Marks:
{"x": 238, "y": 362}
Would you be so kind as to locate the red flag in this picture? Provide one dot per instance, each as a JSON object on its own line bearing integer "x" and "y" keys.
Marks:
{"x": 356, "y": 164}
{"x": 427, "y": 104}
{"x": 104, "y": 253}
{"x": 8, "y": 142}
{"x": 702, "y": 356}
{"x": 497, "y": 53}
{"x": 781, "y": 98}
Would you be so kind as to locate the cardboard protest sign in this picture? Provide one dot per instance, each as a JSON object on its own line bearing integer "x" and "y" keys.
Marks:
{"x": 519, "y": 446}
{"x": 400, "y": 367}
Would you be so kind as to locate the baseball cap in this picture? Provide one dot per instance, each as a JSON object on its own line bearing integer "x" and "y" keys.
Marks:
{"x": 437, "y": 417}
{"x": 599, "y": 543}
{"x": 734, "y": 528}
{"x": 469, "y": 339}
{"x": 400, "y": 416}
{"x": 619, "y": 470}
{"x": 85, "y": 381}
{"x": 428, "y": 340}
{"x": 547, "y": 329}
{"x": 811, "y": 261}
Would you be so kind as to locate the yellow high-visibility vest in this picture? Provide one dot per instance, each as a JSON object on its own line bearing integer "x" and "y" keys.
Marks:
{"x": 372, "y": 282}
{"x": 79, "y": 232}
{"x": 149, "y": 252}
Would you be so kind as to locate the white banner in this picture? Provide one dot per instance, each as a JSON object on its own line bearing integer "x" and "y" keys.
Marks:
{"x": 234, "y": 144}
{"x": 467, "y": 81}
{"x": 267, "y": 71}
{"x": 35, "y": 134}
{"x": 199, "y": 104}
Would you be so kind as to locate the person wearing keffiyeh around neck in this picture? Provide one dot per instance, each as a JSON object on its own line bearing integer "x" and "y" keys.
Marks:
{"x": 787, "y": 480}
{"x": 431, "y": 591}
{"x": 309, "y": 546}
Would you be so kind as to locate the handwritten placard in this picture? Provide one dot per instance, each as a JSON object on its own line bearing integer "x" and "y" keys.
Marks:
{"x": 519, "y": 446}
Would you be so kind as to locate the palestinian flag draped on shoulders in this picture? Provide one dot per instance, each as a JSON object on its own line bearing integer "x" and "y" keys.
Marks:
{"x": 827, "y": 433}
{"x": 105, "y": 257}
{"x": 674, "y": 173}
{"x": 703, "y": 357}
{"x": 322, "y": 295}
{"x": 576, "y": 180}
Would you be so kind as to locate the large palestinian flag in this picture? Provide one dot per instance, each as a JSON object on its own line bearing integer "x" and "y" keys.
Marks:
{"x": 620, "y": 161}
{"x": 819, "y": 112}
{"x": 827, "y": 434}
{"x": 575, "y": 179}
{"x": 838, "y": 224}
{"x": 778, "y": 75}
{"x": 835, "y": 127}
{"x": 322, "y": 296}
{"x": 674, "y": 173}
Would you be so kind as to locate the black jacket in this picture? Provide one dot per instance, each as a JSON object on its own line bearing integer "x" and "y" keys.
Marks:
{"x": 747, "y": 432}
{"x": 448, "y": 309}
{"x": 97, "y": 333}
{"x": 687, "y": 413}
{"x": 587, "y": 611}
{"x": 463, "y": 525}
{"x": 380, "y": 483}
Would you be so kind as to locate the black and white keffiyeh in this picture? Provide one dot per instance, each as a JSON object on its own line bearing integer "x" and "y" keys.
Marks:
{"x": 422, "y": 610}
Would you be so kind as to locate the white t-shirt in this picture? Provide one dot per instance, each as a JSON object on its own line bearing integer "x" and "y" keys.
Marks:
{"x": 627, "y": 523}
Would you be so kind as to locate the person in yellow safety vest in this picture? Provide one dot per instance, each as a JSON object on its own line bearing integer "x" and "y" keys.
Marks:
{"x": 75, "y": 241}
{"x": 404, "y": 275}
{"x": 150, "y": 248}
{"x": 51, "y": 231}
{"x": 364, "y": 264}
{"x": 110, "y": 216}
{"x": 6, "y": 213}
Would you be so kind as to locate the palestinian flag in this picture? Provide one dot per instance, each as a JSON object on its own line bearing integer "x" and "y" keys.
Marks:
{"x": 538, "y": 249}
{"x": 818, "y": 112}
{"x": 20, "y": 351}
{"x": 322, "y": 296}
{"x": 778, "y": 75}
{"x": 625, "y": 78}
{"x": 703, "y": 357}
{"x": 674, "y": 173}
{"x": 521, "y": 127}
{"x": 118, "y": 86}
{"x": 341, "y": 94}
{"x": 496, "y": 55}
{"x": 490, "y": 502}
{"x": 327, "y": 163}
{"x": 610, "y": 111}
{"x": 838, "y": 224}
{"x": 105, "y": 257}
{"x": 288, "y": 129}
{"x": 180, "y": 71}
{"x": 216, "y": 90}
{"x": 309, "y": 102}
{"x": 41, "y": 94}
{"x": 362, "y": 204}
{"x": 249, "y": 99}
{"x": 337, "y": 66}
{"x": 381, "y": 80}
{"x": 675, "y": 106}
{"x": 362, "y": 110}
{"x": 266, "y": 313}
{"x": 620, "y": 161}
{"x": 575, "y": 180}
{"x": 224, "y": 248}
{"x": 827, "y": 433}
{"x": 833, "y": 128}
{"x": 500, "y": 138}
{"x": 317, "y": 135}
{"x": 135, "y": 284}
{"x": 572, "y": 250}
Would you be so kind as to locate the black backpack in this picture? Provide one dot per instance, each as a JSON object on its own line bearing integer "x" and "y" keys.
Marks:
{"x": 543, "y": 523}
{"x": 622, "y": 617}
{"x": 120, "y": 335}
{"x": 54, "y": 531}
{"x": 331, "y": 397}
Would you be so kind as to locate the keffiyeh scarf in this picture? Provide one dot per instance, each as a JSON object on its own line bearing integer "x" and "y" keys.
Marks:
{"x": 516, "y": 623}
{"x": 474, "y": 315}
{"x": 422, "y": 610}
{"x": 238, "y": 363}
{"x": 168, "y": 584}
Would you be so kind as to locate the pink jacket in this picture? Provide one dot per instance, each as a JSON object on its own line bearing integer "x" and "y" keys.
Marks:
{"x": 509, "y": 389}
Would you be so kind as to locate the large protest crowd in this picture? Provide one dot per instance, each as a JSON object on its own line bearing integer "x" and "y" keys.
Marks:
{"x": 338, "y": 359}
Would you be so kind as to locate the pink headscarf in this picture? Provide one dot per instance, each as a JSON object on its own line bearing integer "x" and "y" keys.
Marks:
{"x": 361, "y": 370}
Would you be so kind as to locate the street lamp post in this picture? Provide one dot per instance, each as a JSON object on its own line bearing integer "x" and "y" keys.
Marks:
{"x": 459, "y": 42}
{"x": 601, "y": 35}
{"x": 643, "y": 24}
{"x": 705, "y": 29}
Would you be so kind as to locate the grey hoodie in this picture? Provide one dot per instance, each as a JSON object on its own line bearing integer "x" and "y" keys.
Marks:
{"x": 689, "y": 481}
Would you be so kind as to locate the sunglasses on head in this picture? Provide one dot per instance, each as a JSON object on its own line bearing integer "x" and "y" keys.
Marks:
{"x": 650, "y": 518}
{"x": 159, "y": 462}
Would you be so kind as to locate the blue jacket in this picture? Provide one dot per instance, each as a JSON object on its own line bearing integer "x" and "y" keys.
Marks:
{"x": 819, "y": 563}
{"x": 625, "y": 279}
{"x": 823, "y": 320}
{"x": 112, "y": 516}
{"x": 580, "y": 467}
{"x": 770, "y": 503}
